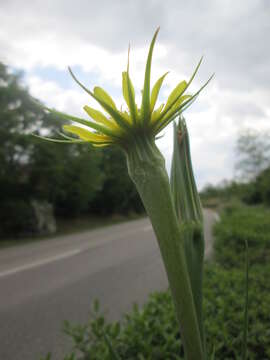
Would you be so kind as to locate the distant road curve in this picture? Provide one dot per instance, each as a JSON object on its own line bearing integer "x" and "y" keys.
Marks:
{"x": 44, "y": 283}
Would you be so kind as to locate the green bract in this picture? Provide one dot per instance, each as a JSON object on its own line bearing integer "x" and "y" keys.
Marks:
{"x": 117, "y": 126}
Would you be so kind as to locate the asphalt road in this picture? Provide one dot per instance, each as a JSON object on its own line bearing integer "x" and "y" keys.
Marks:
{"x": 44, "y": 283}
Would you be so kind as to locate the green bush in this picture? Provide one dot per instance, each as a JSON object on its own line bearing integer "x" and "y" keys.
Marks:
{"x": 16, "y": 217}
{"x": 240, "y": 224}
{"x": 224, "y": 306}
{"x": 152, "y": 333}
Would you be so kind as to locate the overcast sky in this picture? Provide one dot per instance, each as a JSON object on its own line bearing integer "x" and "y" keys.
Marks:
{"x": 43, "y": 37}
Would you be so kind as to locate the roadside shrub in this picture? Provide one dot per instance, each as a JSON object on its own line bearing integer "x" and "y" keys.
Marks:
{"x": 224, "y": 307}
{"x": 16, "y": 217}
{"x": 237, "y": 225}
{"x": 152, "y": 333}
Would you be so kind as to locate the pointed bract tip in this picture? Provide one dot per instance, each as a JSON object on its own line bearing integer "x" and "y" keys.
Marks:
{"x": 71, "y": 73}
{"x": 128, "y": 58}
{"x": 156, "y": 33}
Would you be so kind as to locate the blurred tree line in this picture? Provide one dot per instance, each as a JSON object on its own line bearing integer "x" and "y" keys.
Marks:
{"x": 75, "y": 178}
{"x": 252, "y": 184}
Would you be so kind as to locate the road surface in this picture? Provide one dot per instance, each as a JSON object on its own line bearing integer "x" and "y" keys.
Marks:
{"x": 44, "y": 283}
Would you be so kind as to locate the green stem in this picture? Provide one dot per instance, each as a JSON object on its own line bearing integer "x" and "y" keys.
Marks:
{"x": 245, "y": 333}
{"x": 146, "y": 168}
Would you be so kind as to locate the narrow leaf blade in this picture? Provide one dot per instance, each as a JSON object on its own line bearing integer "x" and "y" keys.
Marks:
{"x": 145, "y": 107}
{"x": 155, "y": 92}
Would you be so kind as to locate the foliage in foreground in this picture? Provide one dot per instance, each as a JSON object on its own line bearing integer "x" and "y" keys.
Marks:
{"x": 152, "y": 333}
{"x": 237, "y": 225}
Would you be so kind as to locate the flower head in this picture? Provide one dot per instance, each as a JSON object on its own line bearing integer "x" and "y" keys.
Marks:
{"x": 117, "y": 126}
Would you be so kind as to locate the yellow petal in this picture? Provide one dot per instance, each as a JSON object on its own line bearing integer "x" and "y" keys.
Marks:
{"x": 86, "y": 135}
{"x": 99, "y": 117}
{"x": 125, "y": 89}
{"x": 178, "y": 90}
{"x": 155, "y": 115}
{"x": 104, "y": 96}
{"x": 102, "y": 145}
{"x": 155, "y": 91}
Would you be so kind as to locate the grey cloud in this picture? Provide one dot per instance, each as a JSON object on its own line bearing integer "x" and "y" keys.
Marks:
{"x": 109, "y": 24}
{"x": 244, "y": 109}
{"x": 232, "y": 35}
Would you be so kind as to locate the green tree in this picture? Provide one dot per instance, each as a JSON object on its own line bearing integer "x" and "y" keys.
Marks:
{"x": 118, "y": 191}
{"x": 253, "y": 152}
{"x": 262, "y": 186}
{"x": 19, "y": 115}
{"x": 67, "y": 177}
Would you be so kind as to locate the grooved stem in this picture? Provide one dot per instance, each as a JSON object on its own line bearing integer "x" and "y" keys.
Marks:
{"x": 146, "y": 168}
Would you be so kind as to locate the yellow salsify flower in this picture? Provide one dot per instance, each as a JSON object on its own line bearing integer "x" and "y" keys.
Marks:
{"x": 135, "y": 131}
{"x": 119, "y": 127}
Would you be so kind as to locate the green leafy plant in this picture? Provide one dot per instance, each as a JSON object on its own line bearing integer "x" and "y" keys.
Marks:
{"x": 135, "y": 130}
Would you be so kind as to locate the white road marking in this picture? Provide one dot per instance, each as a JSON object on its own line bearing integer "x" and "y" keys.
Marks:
{"x": 70, "y": 253}
{"x": 33, "y": 264}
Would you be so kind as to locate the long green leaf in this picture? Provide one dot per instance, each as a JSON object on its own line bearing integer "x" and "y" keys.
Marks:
{"x": 213, "y": 355}
{"x": 145, "y": 107}
{"x": 66, "y": 136}
{"x": 58, "y": 140}
{"x": 114, "y": 355}
{"x": 245, "y": 323}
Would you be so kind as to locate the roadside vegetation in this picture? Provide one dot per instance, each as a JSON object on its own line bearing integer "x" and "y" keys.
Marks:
{"x": 152, "y": 333}
{"x": 68, "y": 181}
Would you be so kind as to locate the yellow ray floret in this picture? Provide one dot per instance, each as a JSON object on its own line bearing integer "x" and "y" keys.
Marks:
{"x": 87, "y": 135}
{"x": 117, "y": 126}
{"x": 99, "y": 117}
